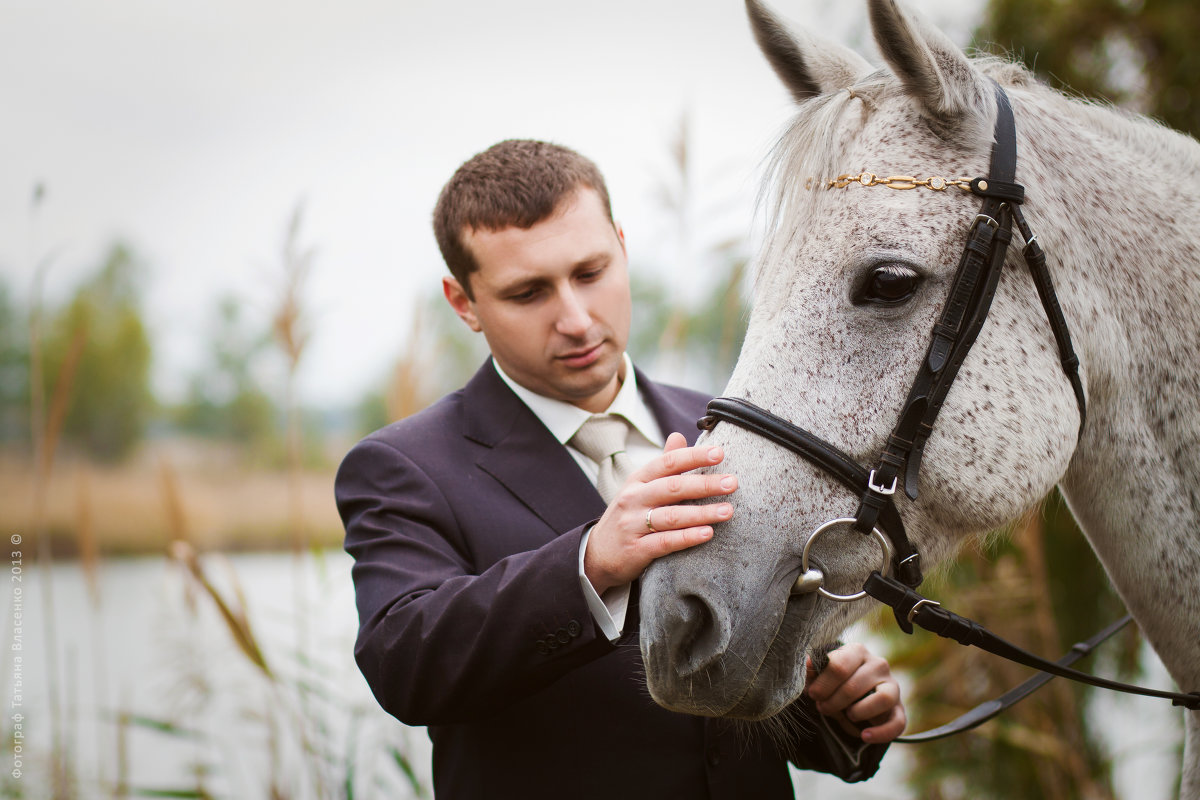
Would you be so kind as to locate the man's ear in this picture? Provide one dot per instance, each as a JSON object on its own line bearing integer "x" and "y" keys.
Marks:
{"x": 456, "y": 296}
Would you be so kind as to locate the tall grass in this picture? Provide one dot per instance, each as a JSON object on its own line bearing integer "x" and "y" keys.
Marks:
{"x": 46, "y": 425}
{"x": 312, "y": 741}
{"x": 292, "y": 335}
{"x": 311, "y": 731}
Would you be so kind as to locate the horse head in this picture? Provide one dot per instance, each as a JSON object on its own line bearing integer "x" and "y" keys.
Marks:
{"x": 854, "y": 274}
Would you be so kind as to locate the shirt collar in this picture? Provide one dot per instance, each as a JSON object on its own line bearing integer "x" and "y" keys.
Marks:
{"x": 563, "y": 419}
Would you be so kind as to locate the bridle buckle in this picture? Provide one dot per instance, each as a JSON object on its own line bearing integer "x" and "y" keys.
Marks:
{"x": 986, "y": 220}
{"x": 879, "y": 488}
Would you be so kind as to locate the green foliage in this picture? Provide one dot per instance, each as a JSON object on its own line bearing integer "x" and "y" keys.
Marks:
{"x": 1139, "y": 54}
{"x": 225, "y": 400}
{"x": 110, "y": 399}
{"x": 371, "y": 412}
{"x": 701, "y": 341}
{"x": 14, "y": 369}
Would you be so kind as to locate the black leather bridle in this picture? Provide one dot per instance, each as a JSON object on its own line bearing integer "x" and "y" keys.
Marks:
{"x": 899, "y": 464}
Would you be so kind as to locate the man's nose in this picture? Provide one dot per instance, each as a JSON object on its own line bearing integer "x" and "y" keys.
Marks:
{"x": 573, "y": 316}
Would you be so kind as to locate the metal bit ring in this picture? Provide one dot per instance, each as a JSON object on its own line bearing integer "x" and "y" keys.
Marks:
{"x": 884, "y": 544}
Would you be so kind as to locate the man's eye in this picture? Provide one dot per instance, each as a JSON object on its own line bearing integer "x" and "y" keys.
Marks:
{"x": 523, "y": 297}
{"x": 889, "y": 284}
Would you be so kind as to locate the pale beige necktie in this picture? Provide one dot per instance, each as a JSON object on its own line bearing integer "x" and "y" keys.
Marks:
{"x": 602, "y": 439}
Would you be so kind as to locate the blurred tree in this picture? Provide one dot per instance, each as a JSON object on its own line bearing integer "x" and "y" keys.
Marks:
{"x": 224, "y": 399}
{"x": 1140, "y": 54}
{"x": 110, "y": 399}
{"x": 14, "y": 370}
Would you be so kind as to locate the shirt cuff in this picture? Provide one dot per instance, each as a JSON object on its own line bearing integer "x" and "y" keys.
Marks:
{"x": 608, "y": 611}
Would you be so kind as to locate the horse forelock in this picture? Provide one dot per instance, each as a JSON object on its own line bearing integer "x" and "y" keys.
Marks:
{"x": 811, "y": 151}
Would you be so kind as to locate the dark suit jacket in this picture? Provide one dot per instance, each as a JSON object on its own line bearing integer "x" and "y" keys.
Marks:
{"x": 465, "y": 523}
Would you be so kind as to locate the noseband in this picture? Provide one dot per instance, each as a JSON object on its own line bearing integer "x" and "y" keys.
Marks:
{"x": 955, "y": 331}
{"x": 962, "y": 317}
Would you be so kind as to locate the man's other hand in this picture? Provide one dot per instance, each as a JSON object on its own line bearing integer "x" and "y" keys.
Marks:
{"x": 858, "y": 690}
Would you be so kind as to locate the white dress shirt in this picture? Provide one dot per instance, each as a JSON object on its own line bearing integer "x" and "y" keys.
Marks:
{"x": 645, "y": 442}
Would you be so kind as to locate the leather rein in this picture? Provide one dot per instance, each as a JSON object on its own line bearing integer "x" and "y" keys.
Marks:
{"x": 955, "y": 331}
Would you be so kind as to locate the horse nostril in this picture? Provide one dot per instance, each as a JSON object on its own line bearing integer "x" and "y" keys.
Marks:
{"x": 701, "y": 638}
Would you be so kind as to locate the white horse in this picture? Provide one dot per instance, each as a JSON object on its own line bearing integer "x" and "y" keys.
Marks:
{"x": 849, "y": 286}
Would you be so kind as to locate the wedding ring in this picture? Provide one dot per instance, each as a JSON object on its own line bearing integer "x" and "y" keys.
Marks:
{"x": 650, "y": 525}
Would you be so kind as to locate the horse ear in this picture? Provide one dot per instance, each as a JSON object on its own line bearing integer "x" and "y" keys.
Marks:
{"x": 806, "y": 65}
{"x": 932, "y": 68}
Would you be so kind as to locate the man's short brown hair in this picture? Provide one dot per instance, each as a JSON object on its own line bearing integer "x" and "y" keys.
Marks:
{"x": 516, "y": 183}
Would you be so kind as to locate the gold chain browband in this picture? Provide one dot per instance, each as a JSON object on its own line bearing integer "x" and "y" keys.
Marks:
{"x": 935, "y": 183}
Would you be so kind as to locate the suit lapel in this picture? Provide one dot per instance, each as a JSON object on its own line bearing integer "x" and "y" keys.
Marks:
{"x": 523, "y": 456}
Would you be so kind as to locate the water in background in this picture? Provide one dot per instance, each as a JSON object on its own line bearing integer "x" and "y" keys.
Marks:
{"x": 153, "y": 691}
{"x": 200, "y": 713}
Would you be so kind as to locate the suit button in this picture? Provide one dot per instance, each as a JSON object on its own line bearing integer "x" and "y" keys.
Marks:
{"x": 551, "y": 642}
{"x": 542, "y": 647}
{"x": 573, "y": 629}
{"x": 562, "y": 636}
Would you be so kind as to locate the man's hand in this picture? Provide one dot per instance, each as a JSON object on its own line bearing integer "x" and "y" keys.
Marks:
{"x": 858, "y": 690}
{"x": 621, "y": 545}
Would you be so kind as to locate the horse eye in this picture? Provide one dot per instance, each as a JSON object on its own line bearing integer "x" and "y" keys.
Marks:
{"x": 889, "y": 284}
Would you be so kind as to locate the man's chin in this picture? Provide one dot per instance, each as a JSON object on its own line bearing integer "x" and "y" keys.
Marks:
{"x": 593, "y": 387}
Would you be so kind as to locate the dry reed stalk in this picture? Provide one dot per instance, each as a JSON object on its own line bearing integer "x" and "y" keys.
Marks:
{"x": 44, "y": 431}
{"x": 234, "y": 616}
{"x": 408, "y": 390}
{"x": 85, "y": 532}
{"x": 60, "y": 400}
{"x": 731, "y": 312}
{"x": 292, "y": 335}
{"x": 121, "y": 782}
{"x": 89, "y": 560}
{"x": 674, "y": 331}
{"x": 177, "y": 525}
{"x": 184, "y": 553}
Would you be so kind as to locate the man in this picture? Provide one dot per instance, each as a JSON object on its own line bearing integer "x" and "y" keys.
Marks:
{"x": 494, "y": 584}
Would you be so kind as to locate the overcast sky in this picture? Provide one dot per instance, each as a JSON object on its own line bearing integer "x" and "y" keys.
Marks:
{"x": 191, "y": 130}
